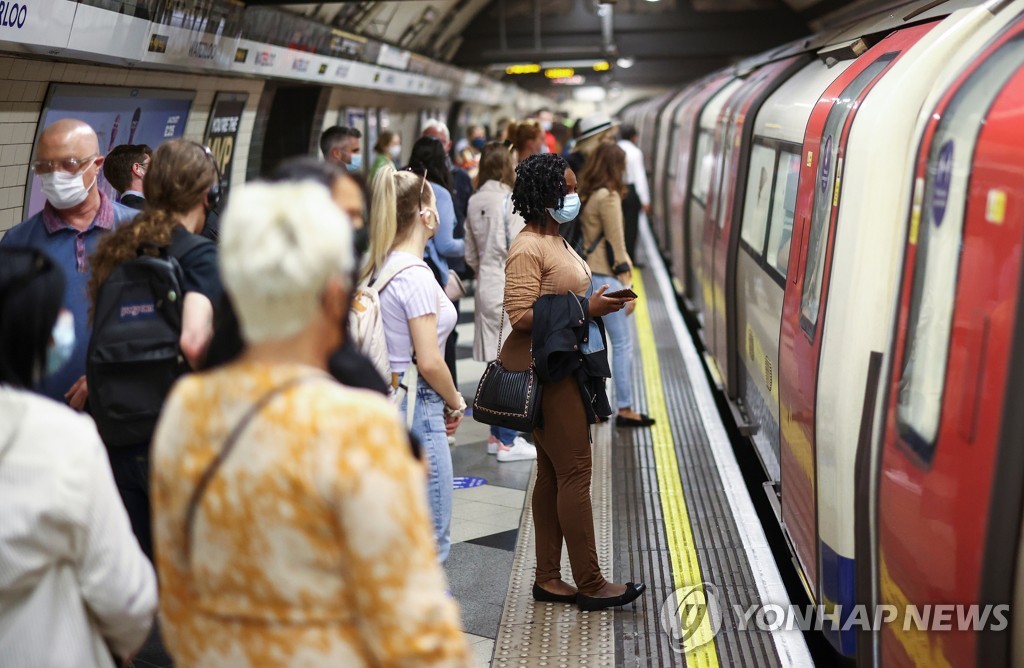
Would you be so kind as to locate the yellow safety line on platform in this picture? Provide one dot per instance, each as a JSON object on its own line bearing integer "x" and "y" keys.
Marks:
{"x": 698, "y": 639}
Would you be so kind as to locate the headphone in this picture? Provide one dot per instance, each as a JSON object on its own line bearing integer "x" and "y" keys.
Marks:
{"x": 213, "y": 197}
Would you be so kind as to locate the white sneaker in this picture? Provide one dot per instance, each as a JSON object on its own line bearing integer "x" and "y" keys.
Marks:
{"x": 519, "y": 451}
{"x": 492, "y": 445}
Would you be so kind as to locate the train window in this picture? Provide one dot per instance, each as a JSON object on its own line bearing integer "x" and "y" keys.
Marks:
{"x": 705, "y": 168}
{"x": 826, "y": 192}
{"x": 758, "y": 197}
{"x": 939, "y": 232}
{"x": 783, "y": 208}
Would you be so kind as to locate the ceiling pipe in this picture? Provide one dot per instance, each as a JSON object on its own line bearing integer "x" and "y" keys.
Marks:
{"x": 606, "y": 11}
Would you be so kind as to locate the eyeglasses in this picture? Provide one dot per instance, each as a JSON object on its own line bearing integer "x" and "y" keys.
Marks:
{"x": 69, "y": 165}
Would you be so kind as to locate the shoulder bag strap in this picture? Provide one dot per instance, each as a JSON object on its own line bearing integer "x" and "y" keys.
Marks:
{"x": 600, "y": 234}
{"x": 225, "y": 451}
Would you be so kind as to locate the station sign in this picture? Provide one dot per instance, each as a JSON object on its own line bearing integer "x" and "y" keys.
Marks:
{"x": 38, "y": 26}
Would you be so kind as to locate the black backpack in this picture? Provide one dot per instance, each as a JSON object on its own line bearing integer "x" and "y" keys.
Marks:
{"x": 134, "y": 354}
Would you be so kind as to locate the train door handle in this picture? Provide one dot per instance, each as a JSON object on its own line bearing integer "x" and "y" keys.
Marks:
{"x": 800, "y": 250}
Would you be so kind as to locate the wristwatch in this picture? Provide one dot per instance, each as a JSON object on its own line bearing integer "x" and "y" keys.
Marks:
{"x": 455, "y": 413}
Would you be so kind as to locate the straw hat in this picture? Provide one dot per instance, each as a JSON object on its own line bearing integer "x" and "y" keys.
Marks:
{"x": 591, "y": 126}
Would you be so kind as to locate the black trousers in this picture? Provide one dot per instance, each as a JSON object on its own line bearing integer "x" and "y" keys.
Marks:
{"x": 631, "y": 221}
{"x": 130, "y": 466}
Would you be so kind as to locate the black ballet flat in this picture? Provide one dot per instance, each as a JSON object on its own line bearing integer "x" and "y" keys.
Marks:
{"x": 593, "y": 603}
{"x": 644, "y": 421}
{"x": 544, "y": 596}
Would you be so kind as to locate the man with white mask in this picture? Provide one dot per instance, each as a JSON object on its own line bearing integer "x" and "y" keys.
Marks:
{"x": 75, "y": 217}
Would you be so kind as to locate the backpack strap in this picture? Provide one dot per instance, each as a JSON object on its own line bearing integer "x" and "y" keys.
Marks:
{"x": 381, "y": 280}
{"x": 225, "y": 451}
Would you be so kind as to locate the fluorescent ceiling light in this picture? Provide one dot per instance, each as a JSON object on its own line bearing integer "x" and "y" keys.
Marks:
{"x": 625, "y": 63}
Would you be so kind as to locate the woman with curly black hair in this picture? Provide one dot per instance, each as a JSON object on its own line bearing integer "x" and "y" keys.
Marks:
{"x": 541, "y": 263}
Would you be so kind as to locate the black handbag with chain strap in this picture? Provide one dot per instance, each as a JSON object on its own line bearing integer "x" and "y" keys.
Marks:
{"x": 509, "y": 399}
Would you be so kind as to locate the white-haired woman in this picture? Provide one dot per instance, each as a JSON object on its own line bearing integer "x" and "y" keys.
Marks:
{"x": 289, "y": 518}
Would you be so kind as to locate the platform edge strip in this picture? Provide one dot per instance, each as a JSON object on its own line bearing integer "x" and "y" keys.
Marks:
{"x": 790, "y": 645}
{"x": 682, "y": 547}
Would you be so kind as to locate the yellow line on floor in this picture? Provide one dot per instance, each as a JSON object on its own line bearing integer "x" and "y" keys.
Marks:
{"x": 694, "y": 625}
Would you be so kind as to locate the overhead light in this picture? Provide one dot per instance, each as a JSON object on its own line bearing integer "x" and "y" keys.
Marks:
{"x": 602, "y": 66}
{"x": 625, "y": 63}
{"x": 528, "y": 68}
{"x": 590, "y": 94}
{"x": 559, "y": 72}
{"x": 575, "y": 80}
{"x": 653, "y": 0}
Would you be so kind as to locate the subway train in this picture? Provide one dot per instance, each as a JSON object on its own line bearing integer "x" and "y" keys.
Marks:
{"x": 844, "y": 217}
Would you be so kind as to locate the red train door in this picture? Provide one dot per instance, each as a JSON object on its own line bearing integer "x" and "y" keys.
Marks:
{"x": 733, "y": 134}
{"x": 949, "y": 491}
{"x": 807, "y": 287}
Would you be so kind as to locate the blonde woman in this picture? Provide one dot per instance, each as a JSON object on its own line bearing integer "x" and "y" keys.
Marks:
{"x": 289, "y": 517}
{"x": 491, "y": 225}
{"x": 418, "y": 318}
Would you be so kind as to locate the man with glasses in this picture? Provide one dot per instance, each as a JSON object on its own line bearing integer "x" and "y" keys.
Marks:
{"x": 73, "y": 220}
{"x": 124, "y": 170}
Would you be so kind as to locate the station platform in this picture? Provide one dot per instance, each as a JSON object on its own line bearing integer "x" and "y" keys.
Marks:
{"x": 671, "y": 510}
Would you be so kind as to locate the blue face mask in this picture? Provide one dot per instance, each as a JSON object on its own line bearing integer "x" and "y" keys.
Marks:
{"x": 63, "y": 346}
{"x": 478, "y": 143}
{"x": 357, "y": 162}
{"x": 570, "y": 209}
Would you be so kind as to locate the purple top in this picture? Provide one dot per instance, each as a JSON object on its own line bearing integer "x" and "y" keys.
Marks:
{"x": 413, "y": 293}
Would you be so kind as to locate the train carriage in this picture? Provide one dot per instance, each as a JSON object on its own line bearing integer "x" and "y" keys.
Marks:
{"x": 949, "y": 495}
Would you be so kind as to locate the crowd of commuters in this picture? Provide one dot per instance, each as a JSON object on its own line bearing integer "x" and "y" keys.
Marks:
{"x": 206, "y": 415}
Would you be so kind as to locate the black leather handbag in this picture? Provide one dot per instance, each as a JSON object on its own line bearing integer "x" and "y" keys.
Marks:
{"x": 509, "y": 399}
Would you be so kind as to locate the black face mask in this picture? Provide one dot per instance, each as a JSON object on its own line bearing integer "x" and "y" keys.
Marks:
{"x": 361, "y": 243}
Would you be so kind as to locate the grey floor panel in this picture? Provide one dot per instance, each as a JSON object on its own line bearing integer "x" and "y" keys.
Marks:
{"x": 645, "y": 536}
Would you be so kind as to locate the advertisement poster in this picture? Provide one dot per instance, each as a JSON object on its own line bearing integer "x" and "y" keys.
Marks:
{"x": 356, "y": 118}
{"x": 222, "y": 132}
{"x": 118, "y": 115}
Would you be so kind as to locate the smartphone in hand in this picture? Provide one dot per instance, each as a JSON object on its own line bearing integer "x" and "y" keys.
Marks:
{"x": 625, "y": 293}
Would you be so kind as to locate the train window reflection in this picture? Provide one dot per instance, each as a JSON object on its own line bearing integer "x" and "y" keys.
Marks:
{"x": 783, "y": 209}
{"x": 826, "y": 195}
{"x": 705, "y": 167}
{"x": 939, "y": 235}
{"x": 758, "y": 197}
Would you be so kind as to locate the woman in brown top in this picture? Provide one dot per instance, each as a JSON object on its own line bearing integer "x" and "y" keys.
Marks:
{"x": 601, "y": 186}
{"x": 541, "y": 263}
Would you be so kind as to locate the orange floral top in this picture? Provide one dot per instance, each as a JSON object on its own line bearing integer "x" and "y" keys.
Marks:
{"x": 312, "y": 545}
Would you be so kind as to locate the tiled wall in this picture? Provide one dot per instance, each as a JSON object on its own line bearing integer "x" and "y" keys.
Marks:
{"x": 23, "y": 85}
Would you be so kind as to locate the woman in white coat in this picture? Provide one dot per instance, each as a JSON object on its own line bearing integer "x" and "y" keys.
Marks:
{"x": 76, "y": 591}
{"x": 490, "y": 227}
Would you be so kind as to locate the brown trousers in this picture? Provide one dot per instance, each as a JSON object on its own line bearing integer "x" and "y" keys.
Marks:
{"x": 561, "y": 495}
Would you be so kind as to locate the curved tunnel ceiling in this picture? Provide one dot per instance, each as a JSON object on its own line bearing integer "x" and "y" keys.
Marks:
{"x": 667, "y": 41}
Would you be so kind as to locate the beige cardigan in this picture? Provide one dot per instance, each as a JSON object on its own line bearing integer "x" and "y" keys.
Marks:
{"x": 603, "y": 213}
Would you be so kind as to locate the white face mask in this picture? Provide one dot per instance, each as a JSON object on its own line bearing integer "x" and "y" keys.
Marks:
{"x": 65, "y": 191}
{"x": 396, "y": 152}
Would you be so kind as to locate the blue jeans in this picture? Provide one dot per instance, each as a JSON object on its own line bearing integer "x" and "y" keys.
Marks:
{"x": 428, "y": 426}
{"x": 621, "y": 337}
{"x": 504, "y": 434}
